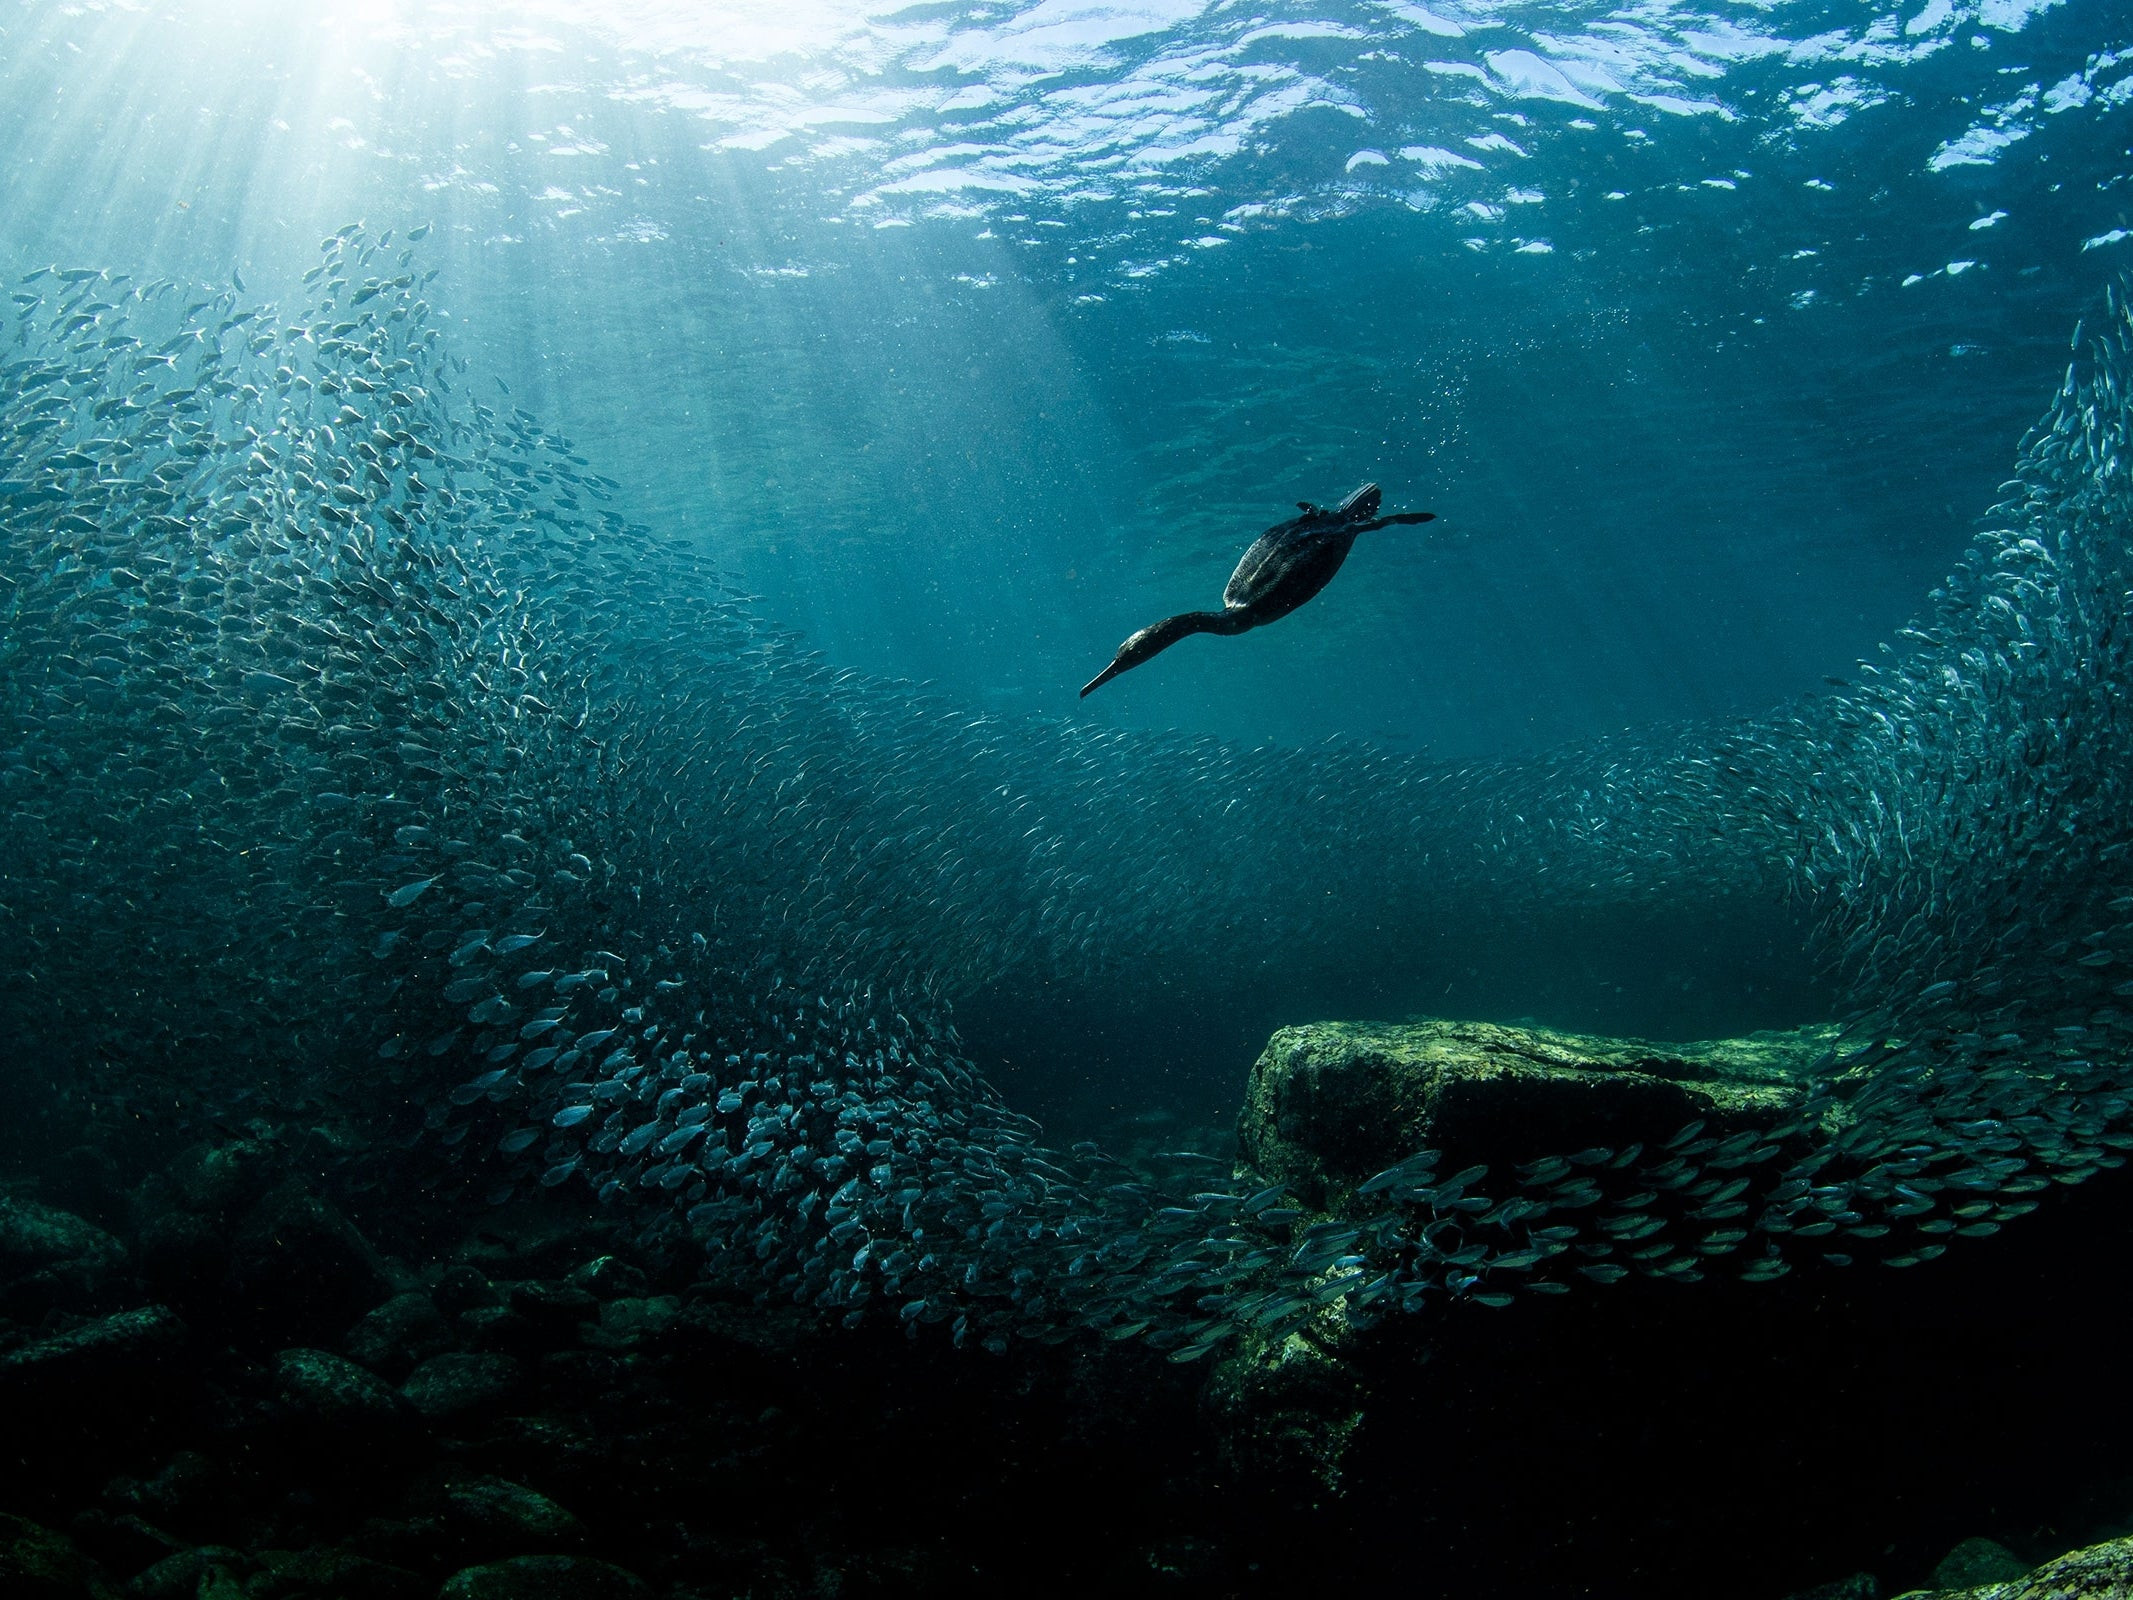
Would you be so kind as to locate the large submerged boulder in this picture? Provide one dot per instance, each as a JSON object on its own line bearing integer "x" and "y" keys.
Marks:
{"x": 38, "y": 1564}
{"x": 1331, "y": 1103}
{"x": 546, "y": 1577}
{"x": 103, "y": 1368}
{"x": 2099, "y": 1572}
{"x": 53, "y": 1259}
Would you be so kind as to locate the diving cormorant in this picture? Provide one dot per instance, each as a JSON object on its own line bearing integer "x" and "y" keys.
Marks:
{"x": 1285, "y": 566}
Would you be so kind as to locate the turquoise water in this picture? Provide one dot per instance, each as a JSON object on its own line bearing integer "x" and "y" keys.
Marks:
{"x": 969, "y": 336}
{"x": 549, "y": 557}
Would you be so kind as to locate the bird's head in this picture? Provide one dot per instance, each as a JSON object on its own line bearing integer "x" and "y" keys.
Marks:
{"x": 1137, "y": 648}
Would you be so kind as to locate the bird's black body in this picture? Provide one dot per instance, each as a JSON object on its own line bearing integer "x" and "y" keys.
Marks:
{"x": 1286, "y": 565}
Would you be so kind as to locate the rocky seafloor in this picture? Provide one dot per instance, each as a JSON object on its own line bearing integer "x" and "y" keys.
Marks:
{"x": 257, "y": 1371}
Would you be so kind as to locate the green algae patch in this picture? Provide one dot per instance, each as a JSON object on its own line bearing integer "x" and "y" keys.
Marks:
{"x": 1330, "y": 1103}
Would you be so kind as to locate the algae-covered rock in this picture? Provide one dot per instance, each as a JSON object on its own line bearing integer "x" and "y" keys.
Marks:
{"x": 499, "y": 1328}
{"x": 1330, "y": 1103}
{"x": 458, "y": 1383}
{"x": 2100, "y": 1572}
{"x": 627, "y": 1323}
{"x": 51, "y": 1258}
{"x": 190, "y": 1494}
{"x": 1859, "y": 1586}
{"x": 109, "y": 1362}
{"x": 322, "y": 1388}
{"x": 491, "y": 1516}
{"x": 38, "y": 1564}
{"x": 121, "y": 1544}
{"x": 545, "y": 1578}
{"x": 205, "y": 1569}
{"x": 397, "y": 1336}
{"x": 1178, "y": 1563}
{"x": 330, "y": 1574}
{"x": 221, "y": 1178}
{"x": 1283, "y": 1411}
{"x": 1976, "y": 1562}
{"x": 340, "y": 1425}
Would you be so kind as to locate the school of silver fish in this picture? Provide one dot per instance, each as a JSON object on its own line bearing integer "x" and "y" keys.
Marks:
{"x": 349, "y": 736}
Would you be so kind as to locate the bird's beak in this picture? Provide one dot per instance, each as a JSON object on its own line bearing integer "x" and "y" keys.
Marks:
{"x": 1102, "y": 678}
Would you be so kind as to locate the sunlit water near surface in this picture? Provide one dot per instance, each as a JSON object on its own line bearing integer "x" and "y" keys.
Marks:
{"x": 546, "y": 724}
{"x": 970, "y": 335}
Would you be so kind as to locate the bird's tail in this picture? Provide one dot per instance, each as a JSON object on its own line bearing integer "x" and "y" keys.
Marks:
{"x": 1360, "y": 506}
